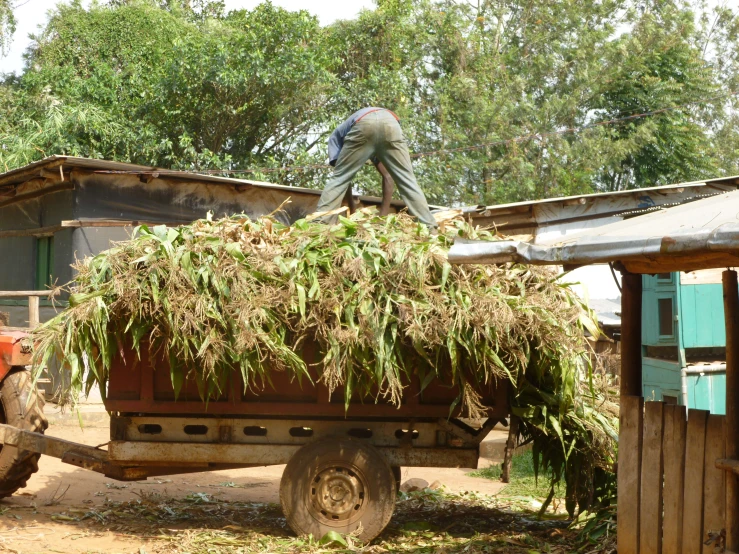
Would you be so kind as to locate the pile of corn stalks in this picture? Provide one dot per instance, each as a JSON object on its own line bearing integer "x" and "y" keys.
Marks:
{"x": 376, "y": 294}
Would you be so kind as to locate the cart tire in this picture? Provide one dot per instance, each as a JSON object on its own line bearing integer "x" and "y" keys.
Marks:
{"x": 22, "y": 406}
{"x": 338, "y": 485}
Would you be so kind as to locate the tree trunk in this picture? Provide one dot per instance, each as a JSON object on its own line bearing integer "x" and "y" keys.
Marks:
{"x": 510, "y": 446}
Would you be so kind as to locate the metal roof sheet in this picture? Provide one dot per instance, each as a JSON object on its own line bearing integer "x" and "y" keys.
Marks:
{"x": 696, "y": 235}
{"x": 664, "y": 189}
{"x": 21, "y": 174}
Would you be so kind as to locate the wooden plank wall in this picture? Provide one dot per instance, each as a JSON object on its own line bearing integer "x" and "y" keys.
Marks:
{"x": 672, "y": 498}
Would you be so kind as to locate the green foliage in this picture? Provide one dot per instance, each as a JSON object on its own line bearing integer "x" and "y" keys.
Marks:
{"x": 377, "y": 297}
{"x": 246, "y": 86}
{"x": 524, "y": 481}
{"x": 188, "y": 85}
{"x": 376, "y": 294}
{"x": 668, "y": 71}
{"x": 573, "y": 431}
{"x": 596, "y": 528}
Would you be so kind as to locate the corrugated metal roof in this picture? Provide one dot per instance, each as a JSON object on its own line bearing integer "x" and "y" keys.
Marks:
{"x": 696, "y": 235}
{"x": 664, "y": 189}
{"x": 20, "y": 174}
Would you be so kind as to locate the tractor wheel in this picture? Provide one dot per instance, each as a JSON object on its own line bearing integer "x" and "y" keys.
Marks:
{"x": 22, "y": 406}
{"x": 339, "y": 485}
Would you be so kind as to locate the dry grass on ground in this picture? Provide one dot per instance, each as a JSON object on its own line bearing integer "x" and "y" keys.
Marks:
{"x": 424, "y": 522}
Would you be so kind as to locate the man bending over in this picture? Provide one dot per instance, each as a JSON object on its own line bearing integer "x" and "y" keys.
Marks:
{"x": 372, "y": 133}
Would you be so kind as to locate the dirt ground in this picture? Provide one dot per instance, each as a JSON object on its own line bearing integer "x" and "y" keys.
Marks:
{"x": 45, "y": 516}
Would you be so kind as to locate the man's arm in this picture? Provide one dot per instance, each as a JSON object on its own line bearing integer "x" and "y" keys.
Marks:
{"x": 387, "y": 187}
{"x": 335, "y": 143}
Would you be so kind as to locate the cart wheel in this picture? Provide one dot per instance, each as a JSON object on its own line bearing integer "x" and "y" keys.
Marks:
{"x": 338, "y": 485}
{"x": 22, "y": 406}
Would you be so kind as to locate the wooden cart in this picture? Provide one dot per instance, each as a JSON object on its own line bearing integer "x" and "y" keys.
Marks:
{"x": 343, "y": 465}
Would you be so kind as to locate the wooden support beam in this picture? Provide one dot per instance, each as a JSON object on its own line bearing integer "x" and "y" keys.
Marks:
{"x": 33, "y": 232}
{"x": 387, "y": 193}
{"x": 33, "y": 311}
{"x": 18, "y": 177}
{"x": 731, "y": 429}
{"x": 81, "y": 223}
{"x": 77, "y": 224}
{"x": 66, "y": 185}
{"x": 728, "y": 465}
{"x": 22, "y": 293}
{"x": 631, "y": 349}
{"x": 631, "y": 417}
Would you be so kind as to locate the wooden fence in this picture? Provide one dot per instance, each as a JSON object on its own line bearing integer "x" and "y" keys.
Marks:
{"x": 671, "y": 495}
{"x": 33, "y": 302}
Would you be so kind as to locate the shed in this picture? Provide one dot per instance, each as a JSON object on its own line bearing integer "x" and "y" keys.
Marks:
{"x": 553, "y": 218}
{"x": 677, "y": 470}
{"x": 64, "y": 208}
{"x": 540, "y": 221}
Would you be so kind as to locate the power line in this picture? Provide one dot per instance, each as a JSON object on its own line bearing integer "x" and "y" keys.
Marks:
{"x": 443, "y": 151}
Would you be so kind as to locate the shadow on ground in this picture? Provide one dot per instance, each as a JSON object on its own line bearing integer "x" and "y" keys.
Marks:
{"x": 199, "y": 523}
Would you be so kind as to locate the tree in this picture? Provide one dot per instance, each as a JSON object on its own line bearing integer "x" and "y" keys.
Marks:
{"x": 249, "y": 86}
{"x": 198, "y": 89}
{"x": 467, "y": 79}
{"x": 7, "y": 26}
{"x": 499, "y": 99}
{"x": 658, "y": 65}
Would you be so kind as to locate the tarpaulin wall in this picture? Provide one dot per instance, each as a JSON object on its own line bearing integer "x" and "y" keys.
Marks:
{"x": 168, "y": 200}
{"x": 125, "y": 198}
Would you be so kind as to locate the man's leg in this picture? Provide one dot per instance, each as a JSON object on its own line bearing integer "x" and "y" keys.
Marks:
{"x": 356, "y": 151}
{"x": 394, "y": 154}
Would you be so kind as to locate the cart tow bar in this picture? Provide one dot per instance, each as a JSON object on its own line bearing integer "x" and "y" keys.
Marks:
{"x": 80, "y": 455}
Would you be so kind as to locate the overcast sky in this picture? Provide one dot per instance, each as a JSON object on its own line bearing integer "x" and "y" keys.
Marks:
{"x": 32, "y": 13}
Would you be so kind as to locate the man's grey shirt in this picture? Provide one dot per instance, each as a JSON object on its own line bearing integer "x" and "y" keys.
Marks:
{"x": 336, "y": 140}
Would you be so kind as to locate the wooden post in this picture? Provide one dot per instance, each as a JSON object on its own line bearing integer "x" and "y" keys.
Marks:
{"x": 510, "y": 446}
{"x": 631, "y": 335}
{"x": 731, "y": 429}
{"x": 33, "y": 311}
{"x": 349, "y": 199}
{"x": 631, "y": 426}
{"x": 387, "y": 193}
{"x": 630, "y": 437}
{"x": 387, "y": 188}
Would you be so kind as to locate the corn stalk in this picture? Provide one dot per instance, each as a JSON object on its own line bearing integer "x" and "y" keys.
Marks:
{"x": 375, "y": 294}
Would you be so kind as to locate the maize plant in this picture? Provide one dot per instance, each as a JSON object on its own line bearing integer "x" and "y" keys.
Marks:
{"x": 375, "y": 294}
